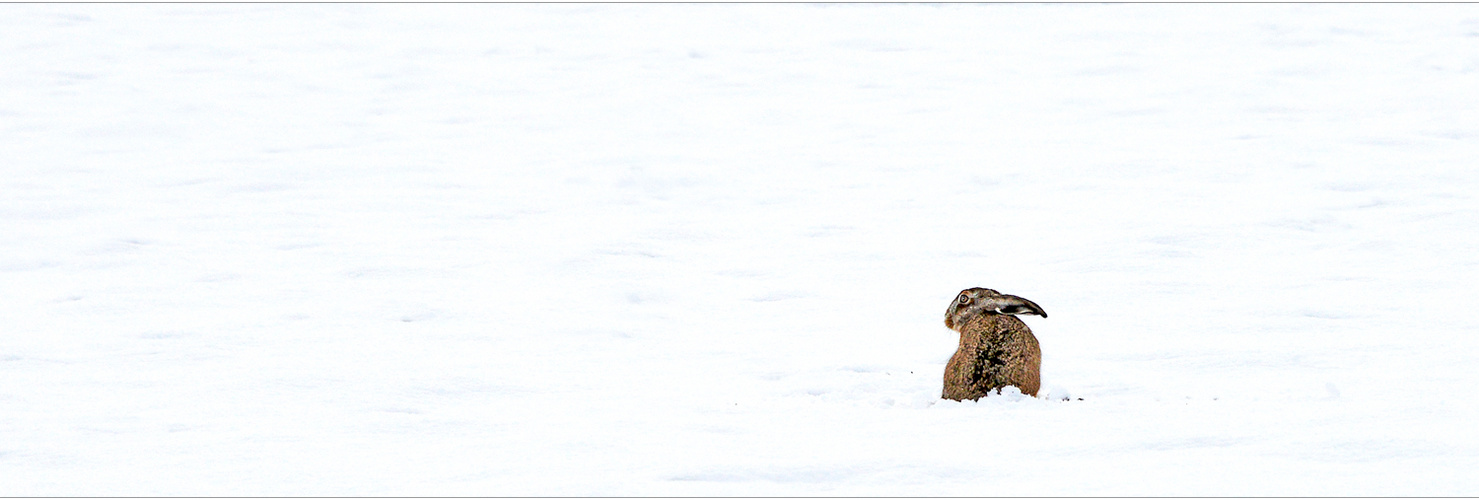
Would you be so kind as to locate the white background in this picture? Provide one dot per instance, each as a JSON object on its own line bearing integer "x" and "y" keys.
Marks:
{"x": 468, "y": 249}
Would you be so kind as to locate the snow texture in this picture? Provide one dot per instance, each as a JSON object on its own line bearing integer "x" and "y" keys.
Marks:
{"x": 465, "y": 249}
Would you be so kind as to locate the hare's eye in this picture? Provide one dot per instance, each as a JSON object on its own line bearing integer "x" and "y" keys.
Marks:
{"x": 964, "y": 298}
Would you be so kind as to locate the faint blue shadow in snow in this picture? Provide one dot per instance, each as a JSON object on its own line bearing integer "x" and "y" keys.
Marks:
{"x": 508, "y": 215}
{"x": 1195, "y": 442}
{"x": 821, "y": 231}
{"x": 460, "y": 386}
{"x": 419, "y": 316}
{"x": 217, "y": 277}
{"x": 1379, "y": 450}
{"x": 819, "y": 474}
{"x": 630, "y": 253}
{"x": 1350, "y": 187}
{"x": 26, "y": 265}
{"x": 69, "y": 19}
{"x": 400, "y": 410}
{"x": 258, "y": 187}
{"x": 596, "y": 332}
{"x": 1109, "y": 70}
{"x": 1317, "y": 224}
{"x": 167, "y": 335}
{"x": 872, "y": 45}
{"x": 118, "y": 246}
{"x": 63, "y": 212}
{"x": 1224, "y": 359}
{"x": 379, "y": 271}
{"x": 1325, "y": 314}
{"x": 778, "y": 296}
{"x": 775, "y": 475}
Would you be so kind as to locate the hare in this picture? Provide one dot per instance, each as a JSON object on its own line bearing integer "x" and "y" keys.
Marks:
{"x": 996, "y": 349}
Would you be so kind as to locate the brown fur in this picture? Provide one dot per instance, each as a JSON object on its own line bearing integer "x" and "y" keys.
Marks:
{"x": 996, "y": 349}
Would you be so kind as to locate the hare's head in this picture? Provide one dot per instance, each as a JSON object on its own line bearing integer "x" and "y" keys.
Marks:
{"x": 973, "y": 301}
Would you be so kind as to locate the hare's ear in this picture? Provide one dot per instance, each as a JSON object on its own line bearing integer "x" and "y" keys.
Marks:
{"x": 1012, "y": 304}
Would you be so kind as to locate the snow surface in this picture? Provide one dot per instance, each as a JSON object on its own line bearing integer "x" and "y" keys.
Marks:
{"x": 461, "y": 249}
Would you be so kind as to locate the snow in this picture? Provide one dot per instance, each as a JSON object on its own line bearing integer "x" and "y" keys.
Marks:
{"x": 466, "y": 249}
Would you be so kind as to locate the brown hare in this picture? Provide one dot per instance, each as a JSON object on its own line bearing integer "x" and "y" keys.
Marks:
{"x": 996, "y": 349}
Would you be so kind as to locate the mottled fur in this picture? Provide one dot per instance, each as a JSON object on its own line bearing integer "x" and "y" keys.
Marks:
{"x": 996, "y": 349}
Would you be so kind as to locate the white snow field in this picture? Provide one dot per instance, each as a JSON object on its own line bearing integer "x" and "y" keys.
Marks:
{"x": 646, "y": 249}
